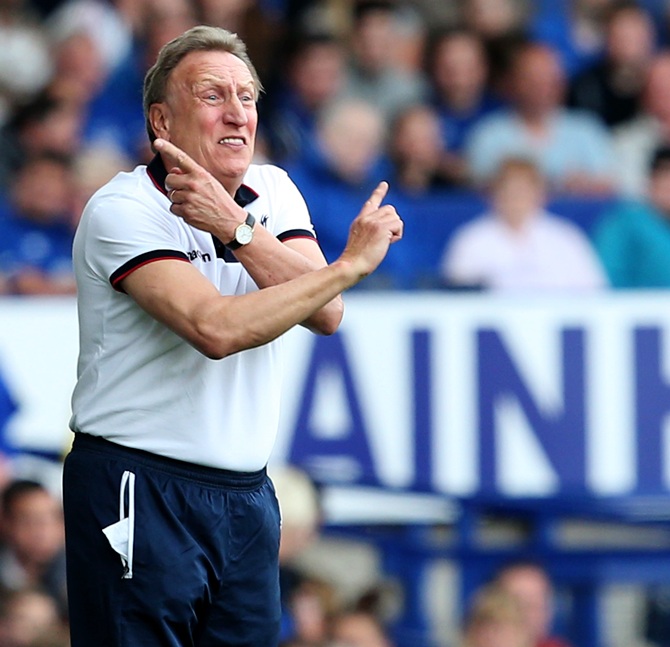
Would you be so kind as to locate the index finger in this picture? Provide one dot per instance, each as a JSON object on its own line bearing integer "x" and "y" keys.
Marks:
{"x": 174, "y": 156}
{"x": 378, "y": 195}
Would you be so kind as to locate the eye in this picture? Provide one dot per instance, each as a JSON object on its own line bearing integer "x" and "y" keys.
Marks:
{"x": 247, "y": 97}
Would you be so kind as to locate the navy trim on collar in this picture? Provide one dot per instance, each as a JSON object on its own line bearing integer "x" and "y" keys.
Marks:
{"x": 157, "y": 172}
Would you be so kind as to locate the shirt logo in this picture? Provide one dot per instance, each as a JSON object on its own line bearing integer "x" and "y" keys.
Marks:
{"x": 196, "y": 253}
{"x": 264, "y": 220}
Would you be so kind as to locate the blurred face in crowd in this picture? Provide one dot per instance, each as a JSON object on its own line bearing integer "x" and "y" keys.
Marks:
{"x": 318, "y": 73}
{"x": 352, "y": 136}
{"x": 630, "y": 37}
{"x": 34, "y": 527}
{"x": 80, "y": 70}
{"x": 495, "y": 620}
{"x": 460, "y": 69}
{"x": 492, "y": 18}
{"x": 498, "y": 633}
{"x": 374, "y": 39}
{"x": 210, "y": 113}
{"x": 657, "y": 90}
{"x": 537, "y": 82}
{"x": 59, "y": 131}
{"x": 358, "y": 630}
{"x": 165, "y": 20}
{"x": 43, "y": 190}
{"x": 30, "y": 615}
{"x": 659, "y": 188}
{"x": 518, "y": 193}
{"x": 532, "y": 589}
{"x": 417, "y": 137}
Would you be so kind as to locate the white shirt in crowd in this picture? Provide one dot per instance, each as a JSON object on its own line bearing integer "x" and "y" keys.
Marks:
{"x": 547, "y": 253}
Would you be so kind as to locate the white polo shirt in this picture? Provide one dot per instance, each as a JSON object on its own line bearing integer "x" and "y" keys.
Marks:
{"x": 139, "y": 384}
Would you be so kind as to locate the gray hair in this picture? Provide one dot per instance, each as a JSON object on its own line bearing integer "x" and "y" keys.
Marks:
{"x": 197, "y": 39}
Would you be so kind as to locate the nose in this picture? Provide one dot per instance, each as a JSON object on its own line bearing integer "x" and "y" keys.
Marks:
{"x": 235, "y": 112}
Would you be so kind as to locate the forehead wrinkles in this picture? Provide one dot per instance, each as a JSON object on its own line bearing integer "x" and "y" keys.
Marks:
{"x": 221, "y": 69}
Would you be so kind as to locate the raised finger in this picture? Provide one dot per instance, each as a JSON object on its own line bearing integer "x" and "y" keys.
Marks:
{"x": 174, "y": 156}
{"x": 375, "y": 199}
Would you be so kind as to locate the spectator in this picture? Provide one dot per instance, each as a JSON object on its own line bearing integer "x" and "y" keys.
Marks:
{"x": 33, "y": 553}
{"x": 415, "y": 149}
{"x": 493, "y": 19}
{"x": 502, "y": 25}
{"x": 255, "y": 22}
{"x": 633, "y": 238}
{"x": 44, "y": 125}
{"x": 305, "y": 601}
{"x": 115, "y": 113}
{"x": 634, "y": 142}
{"x": 373, "y": 75}
{"x": 458, "y": 68}
{"x": 358, "y": 629}
{"x": 572, "y": 148}
{"x": 529, "y": 584}
{"x": 100, "y": 22}
{"x": 28, "y": 617}
{"x": 310, "y": 604}
{"x": 79, "y": 69}
{"x": 36, "y": 249}
{"x": 612, "y": 87}
{"x": 518, "y": 245}
{"x": 573, "y": 28}
{"x": 495, "y": 619}
{"x": 314, "y": 79}
{"x": 341, "y": 169}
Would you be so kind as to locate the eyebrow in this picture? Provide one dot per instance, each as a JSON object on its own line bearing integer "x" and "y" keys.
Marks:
{"x": 219, "y": 83}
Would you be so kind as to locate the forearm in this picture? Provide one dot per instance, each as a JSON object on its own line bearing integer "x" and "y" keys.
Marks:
{"x": 230, "y": 324}
{"x": 270, "y": 262}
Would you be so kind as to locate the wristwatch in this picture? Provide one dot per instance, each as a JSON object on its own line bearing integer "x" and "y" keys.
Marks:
{"x": 244, "y": 233}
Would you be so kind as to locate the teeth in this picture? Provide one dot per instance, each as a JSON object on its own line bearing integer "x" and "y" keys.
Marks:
{"x": 231, "y": 140}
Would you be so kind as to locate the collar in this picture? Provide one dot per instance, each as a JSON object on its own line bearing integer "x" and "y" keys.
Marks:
{"x": 157, "y": 173}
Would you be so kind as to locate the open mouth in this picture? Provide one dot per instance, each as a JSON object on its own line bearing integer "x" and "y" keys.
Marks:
{"x": 233, "y": 141}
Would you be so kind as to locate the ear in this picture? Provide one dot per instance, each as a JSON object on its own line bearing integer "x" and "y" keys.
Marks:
{"x": 159, "y": 119}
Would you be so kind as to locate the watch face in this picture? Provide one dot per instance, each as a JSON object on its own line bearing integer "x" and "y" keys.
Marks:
{"x": 244, "y": 234}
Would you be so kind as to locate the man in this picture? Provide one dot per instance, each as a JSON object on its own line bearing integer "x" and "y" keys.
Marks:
{"x": 636, "y": 140}
{"x": 517, "y": 245}
{"x": 571, "y": 147}
{"x": 188, "y": 271}
{"x": 530, "y": 585}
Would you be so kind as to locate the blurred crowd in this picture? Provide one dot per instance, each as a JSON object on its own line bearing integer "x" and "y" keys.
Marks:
{"x": 482, "y": 114}
{"x": 505, "y": 106}
{"x": 514, "y": 608}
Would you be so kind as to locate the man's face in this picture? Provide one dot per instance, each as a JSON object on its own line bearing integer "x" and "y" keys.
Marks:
{"x": 210, "y": 113}
{"x": 533, "y": 591}
{"x": 538, "y": 81}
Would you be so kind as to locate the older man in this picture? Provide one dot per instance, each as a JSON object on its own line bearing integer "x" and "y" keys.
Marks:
{"x": 189, "y": 270}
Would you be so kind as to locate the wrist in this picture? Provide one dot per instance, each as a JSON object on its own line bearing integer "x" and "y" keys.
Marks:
{"x": 243, "y": 234}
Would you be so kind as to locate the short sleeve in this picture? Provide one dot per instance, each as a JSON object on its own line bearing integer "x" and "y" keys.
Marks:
{"x": 119, "y": 234}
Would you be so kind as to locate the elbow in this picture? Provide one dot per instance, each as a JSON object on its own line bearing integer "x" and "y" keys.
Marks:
{"x": 328, "y": 327}
{"x": 212, "y": 343}
{"x": 327, "y": 321}
{"x": 212, "y": 350}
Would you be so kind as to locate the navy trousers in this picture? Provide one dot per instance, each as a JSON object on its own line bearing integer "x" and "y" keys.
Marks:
{"x": 163, "y": 553}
